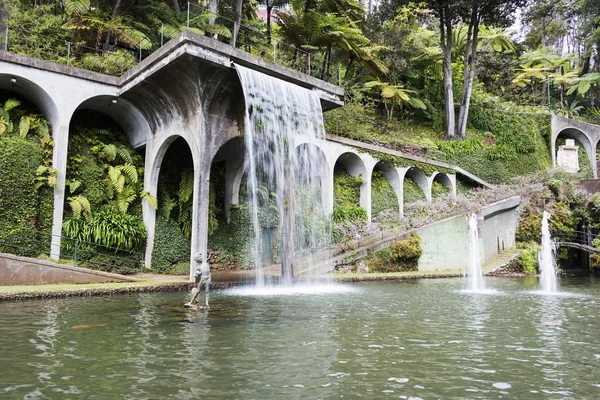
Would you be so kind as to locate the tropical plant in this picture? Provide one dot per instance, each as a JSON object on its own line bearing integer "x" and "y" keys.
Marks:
{"x": 396, "y": 95}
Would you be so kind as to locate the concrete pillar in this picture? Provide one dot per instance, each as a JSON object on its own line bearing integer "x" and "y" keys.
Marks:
{"x": 327, "y": 192}
{"x": 452, "y": 178}
{"x": 200, "y": 208}
{"x": 401, "y": 173}
{"x": 365, "y": 194}
{"x": 151, "y": 174}
{"x": 60, "y": 135}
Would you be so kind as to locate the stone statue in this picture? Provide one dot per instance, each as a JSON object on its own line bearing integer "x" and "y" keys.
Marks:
{"x": 201, "y": 276}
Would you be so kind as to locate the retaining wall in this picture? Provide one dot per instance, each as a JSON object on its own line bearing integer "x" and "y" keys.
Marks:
{"x": 15, "y": 270}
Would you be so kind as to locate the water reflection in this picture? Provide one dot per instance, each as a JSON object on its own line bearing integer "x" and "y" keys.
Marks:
{"x": 422, "y": 339}
{"x": 550, "y": 329}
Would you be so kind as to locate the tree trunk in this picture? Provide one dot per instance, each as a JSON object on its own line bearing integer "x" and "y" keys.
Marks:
{"x": 269, "y": 9}
{"x": 239, "y": 4}
{"x": 176, "y": 5}
{"x": 114, "y": 15}
{"x": 446, "y": 43}
{"x": 469, "y": 74}
{"x": 350, "y": 61}
{"x": 213, "y": 6}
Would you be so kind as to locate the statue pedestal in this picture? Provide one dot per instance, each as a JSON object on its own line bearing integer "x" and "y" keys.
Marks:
{"x": 568, "y": 157}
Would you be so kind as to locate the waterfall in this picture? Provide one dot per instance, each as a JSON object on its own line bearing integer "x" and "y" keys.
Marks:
{"x": 285, "y": 169}
{"x": 474, "y": 273}
{"x": 546, "y": 260}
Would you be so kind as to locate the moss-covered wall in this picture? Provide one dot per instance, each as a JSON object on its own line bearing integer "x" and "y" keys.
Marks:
{"x": 383, "y": 196}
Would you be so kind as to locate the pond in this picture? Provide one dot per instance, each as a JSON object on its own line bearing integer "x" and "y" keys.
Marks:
{"x": 403, "y": 339}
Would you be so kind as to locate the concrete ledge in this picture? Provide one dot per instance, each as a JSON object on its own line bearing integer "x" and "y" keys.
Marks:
{"x": 41, "y": 293}
{"x": 63, "y": 69}
{"x": 15, "y": 270}
{"x": 500, "y": 206}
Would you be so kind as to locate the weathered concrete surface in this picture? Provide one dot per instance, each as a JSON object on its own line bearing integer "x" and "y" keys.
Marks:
{"x": 586, "y": 134}
{"x": 15, "y": 270}
{"x": 445, "y": 244}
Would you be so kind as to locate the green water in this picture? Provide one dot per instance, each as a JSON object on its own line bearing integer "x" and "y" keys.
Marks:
{"x": 412, "y": 339}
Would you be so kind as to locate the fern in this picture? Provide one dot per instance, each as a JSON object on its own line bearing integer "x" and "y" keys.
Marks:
{"x": 24, "y": 126}
{"x": 125, "y": 197}
{"x": 110, "y": 152}
{"x": 186, "y": 186}
{"x": 11, "y": 103}
{"x": 130, "y": 172}
{"x": 80, "y": 205}
{"x": 152, "y": 201}
{"x": 167, "y": 206}
{"x": 77, "y": 7}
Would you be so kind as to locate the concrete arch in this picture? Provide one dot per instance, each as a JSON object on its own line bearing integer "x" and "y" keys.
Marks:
{"x": 33, "y": 92}
{"x": 124, "y": 113}
{"x": 393, "y": 177}
{"x": 152, "y": 173}
{"x": 584, "y": 139}
{"x": 586, "y": 134}
{"x": 310, "y": 156}
{"x": 233, "y": 152}
{"x": 448, "y": 180}
{"x": 419, "y": 177}
{"x": 356, "y": 167}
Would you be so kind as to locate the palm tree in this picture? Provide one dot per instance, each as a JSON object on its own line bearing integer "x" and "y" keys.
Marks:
{"x": 584, "y": 83}
{"x": 395, "y": 94}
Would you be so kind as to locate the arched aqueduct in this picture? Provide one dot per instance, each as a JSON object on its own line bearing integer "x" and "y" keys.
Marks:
{"x": 186, "y": 90}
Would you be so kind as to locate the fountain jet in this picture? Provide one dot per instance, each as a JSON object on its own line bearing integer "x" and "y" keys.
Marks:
{"x": 546, "y": 259}
{"x": 476, "y": 283}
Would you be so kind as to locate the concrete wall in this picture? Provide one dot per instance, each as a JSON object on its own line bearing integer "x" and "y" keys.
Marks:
{"x": 16, "y": 270}
{"x": 445, "y": 244}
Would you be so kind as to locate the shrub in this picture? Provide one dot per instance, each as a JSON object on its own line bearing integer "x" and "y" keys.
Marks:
{"x": 528, "y": 259}
{"x": 114, "y": 63}
{"x": 401, "y": 256}
{"x": 170, "y": 246}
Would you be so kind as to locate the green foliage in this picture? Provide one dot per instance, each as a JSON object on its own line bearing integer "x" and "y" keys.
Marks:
{"x": 528, "y": 259}
{"x": 26, "y": 197}
{"x": 383, "y": 197}
{"x": 171, "y": 247}
{"x": 110, "y": 228}
{"x": 412, "y": 192}
{"x": 233, "y": 238}
{"x": 401, "y": 256}
{"x": 346, "y": 194}
{"x": 513, "y": 145}
{"x": 437, "y": 190}
{"x": 529, "y": 228}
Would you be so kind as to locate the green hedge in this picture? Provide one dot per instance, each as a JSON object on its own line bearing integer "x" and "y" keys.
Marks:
{"x": 346, "y": 195}
{"x": 170, "y": 246}
{"x": 507, "y": 145}
{"x": 20, "y": 204}
{"x": 401, "y": 256}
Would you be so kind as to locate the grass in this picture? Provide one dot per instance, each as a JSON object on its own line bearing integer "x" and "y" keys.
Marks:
{"x": 72, "y": 286}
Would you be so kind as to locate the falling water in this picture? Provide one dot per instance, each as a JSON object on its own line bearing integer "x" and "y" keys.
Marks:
{"x": 284, "y": 167}
{"x": 474, "y": 273}
{"x": 546, "y": 258}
